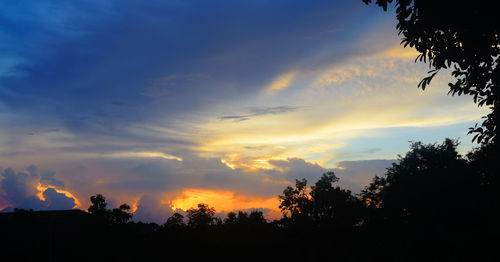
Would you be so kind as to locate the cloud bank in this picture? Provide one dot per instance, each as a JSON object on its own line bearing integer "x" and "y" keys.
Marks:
{"x": 26, "y": 190}
{"x": 155, "y": 188}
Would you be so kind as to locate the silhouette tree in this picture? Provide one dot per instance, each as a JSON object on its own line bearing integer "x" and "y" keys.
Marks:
{"x": 333, "y": 206}
{"x": 231, "y": 218}
{"x": 431, "y": 184}
{"x": 176, "y": 221}
{"x": 432, "y": 201}
{"x": 322, "y": 197}
{"x": 242, "y": 217}
{"x": 322, "y": 206}
{"x": 256, "y": 218}
{"x": 295, "y": 202}
{"x": 98, "y": 206}
{"x": 201, "y": 217}
{"x": 462, "y": 36}
{"x": 119, "y": 215}
{"x": 483, "y": 162}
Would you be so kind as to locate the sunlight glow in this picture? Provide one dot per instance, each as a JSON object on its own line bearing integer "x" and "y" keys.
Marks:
{"x": 134, "y": 206}
{"x": 221, "y": 200}
{"x": 363, "y": 97}
{"x": 68, "y": 194}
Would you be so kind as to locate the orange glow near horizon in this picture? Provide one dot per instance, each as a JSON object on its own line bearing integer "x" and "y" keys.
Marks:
{"x": 224, "y": 201}
{"x": 134, "y": 206}
{"x": 42, "y": 189}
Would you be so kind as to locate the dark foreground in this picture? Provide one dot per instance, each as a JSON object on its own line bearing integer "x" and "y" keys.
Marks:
{"x": 74, "y": 235}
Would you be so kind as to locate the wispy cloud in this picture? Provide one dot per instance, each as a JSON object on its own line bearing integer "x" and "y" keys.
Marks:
{"x": 261, "y": 111}
{"x": 141, "y": 154}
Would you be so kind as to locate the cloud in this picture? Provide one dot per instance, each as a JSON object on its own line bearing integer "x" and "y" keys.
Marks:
{"x": 281, "y": 82}
{"x": 296, "y": 168}
{"x": 99, "y": 74}
{"x": 355, "y": 175}
{"x": 57, "y": 201}
{"x": 47, "y": 178}
{"x": 151, "y": 208}
{"x": 19, "y": 186}
{"x": 141, "y": 154}
{"x": 261, "y": 111}
{"x": 166, "y": 185}
{"x": 156, "y": 186}
{"x": 25, "y": 190}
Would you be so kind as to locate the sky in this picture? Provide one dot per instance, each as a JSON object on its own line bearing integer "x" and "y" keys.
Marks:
{"x": 166, "y": 104}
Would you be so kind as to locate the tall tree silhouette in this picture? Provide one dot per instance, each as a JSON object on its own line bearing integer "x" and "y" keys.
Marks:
{"x": 98, "y": 205}
{"x": 431, "y": 184}
{"x": 433, "y": 201}
{"x": 323, "y": 205}
{"x": 120, "y": 215}
{"x": 176, "y": 221}
{"x": 460, "y": 35}
{"x": 295, "y": 203}
{"x": 333, "y": 206}
{"x": 201, "y": 217}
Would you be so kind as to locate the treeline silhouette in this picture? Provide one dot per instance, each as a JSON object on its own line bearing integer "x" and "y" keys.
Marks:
{"x": 431, "y": 205}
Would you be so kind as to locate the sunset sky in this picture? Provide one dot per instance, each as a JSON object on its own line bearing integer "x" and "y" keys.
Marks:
{"x": 166, "y": 104}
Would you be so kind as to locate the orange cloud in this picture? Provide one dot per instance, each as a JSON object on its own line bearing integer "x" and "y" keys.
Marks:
{"x": 42, "y": 189}
{"x": 224, "y": 201}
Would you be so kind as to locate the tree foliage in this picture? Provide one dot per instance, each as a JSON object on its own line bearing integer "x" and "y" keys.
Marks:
{"x": 323, "y": 205}
{"x": 430, "y": 182}
{"x": 98, "y": 206}
{"x": 462, "y": 36}
{"x": 295, "y": 201}
{"x": 332, "y": 205}
{"x": 201, "y": 217}
{"x": 176, "y": 221}
{"x": 120, "y": 215}
{"x": 243, "y": 219}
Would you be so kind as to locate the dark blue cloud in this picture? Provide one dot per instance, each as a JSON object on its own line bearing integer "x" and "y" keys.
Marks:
{"x": 20, "y": 190}
{"x": 18, "y": 186}
{"x": 47, "y": 178}
{"x": 99, "y": 67}
{"x": 57, "y": 201}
